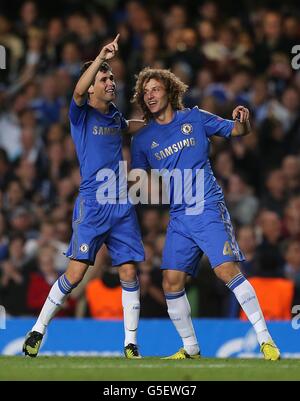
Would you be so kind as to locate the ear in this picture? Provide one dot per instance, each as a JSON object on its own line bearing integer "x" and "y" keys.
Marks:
{"x": 91, "y": 89}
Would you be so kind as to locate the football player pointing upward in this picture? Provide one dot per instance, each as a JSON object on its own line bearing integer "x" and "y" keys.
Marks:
{"x": 96, "y": 126}
{"x": 178, "y": 138}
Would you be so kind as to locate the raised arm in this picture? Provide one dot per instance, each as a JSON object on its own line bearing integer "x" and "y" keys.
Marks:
{"x": 88, "y": 77}
{"x": 134, "y": 126}
{"x": 242, "y": 125}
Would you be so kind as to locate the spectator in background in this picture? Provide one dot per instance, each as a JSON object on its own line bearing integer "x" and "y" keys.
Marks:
{"x": 274, "y": 291}
{"x": 55, "y": 36}
{"x": 291, "y": 173}
{"x": 87, "y": 39}
{"x": 247, "y": 241}
{"x": 270, "y": 227}
{"x": 29, "y": 17}
{"x": 34, "y": 59}
{"x": 272, "y": 143}
{"x": 272, "y": 40}
{"x": 48, "y": 107}
{"x": 11, "y": 41}
{"x": 30, "y": 145}
{"x": 243, "y": 205}
{"x": 223, "y": 167}
{"x": 235, "y": 91}
{"x": 103, "y": 290}
{"x": 150, "y": 53}
{"x": 176, "y": 18}
{"x": 104, "y": 296}
{"x": 151, "y": 224}
{"x": 292, "y": 266}
{"x": 118, "y": 68}
{"x": 291, "y": 219}
{"x": 259, "y": 99}
{"x": 187, "y": 50}
{"x": 14, "y": 277}
{"x": 290, "y": 102}
{"x": 10, "y": 129}
{"x": 57, "y": 164}
{"x": 41, "y": 280}
{"x": 268, "y": 256}
{"x": 71, "y": 59}
{"x": 61, "y": 239}
{"x": 204, "y": 78}
{"x": 52, "y": 234}
{"x": 14, "y": 196}
{"x": 22, "y": 220}
{"x": 275, "y": 197}
{"x": 27, "y": 174}
{"x": 247, "y": 160}
{"x": 152, "y": 296}
{"x": 206, "y": 32}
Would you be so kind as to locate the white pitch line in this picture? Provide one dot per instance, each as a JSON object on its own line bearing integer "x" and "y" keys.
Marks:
{"x": 150, "y": 366}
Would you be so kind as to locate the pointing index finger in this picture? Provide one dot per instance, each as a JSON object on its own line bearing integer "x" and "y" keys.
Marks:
{"x": 116, "y": 38}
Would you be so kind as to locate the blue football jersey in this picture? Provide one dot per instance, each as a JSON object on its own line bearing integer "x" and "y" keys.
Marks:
{"x": 182, "y": 146}
{"x": 98, "y": 142}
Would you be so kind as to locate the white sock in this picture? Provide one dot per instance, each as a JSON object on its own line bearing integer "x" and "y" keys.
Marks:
{"x": 246, "y": 296}
{"x": 131, "y": 310}
{"x": 58, "y": 293}
{"x": 180, "y": 313}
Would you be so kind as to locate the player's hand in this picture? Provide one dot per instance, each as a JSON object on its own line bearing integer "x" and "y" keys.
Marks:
{"x": 110, "y": 50}
{"x": 241, "y": 114}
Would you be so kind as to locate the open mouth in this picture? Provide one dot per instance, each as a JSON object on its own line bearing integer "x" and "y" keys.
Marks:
{"x": 111, "y": 90}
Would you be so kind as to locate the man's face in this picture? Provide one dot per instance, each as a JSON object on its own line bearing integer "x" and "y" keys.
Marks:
{"x": 104, "y": 87}
{"x": 155, "y": 96}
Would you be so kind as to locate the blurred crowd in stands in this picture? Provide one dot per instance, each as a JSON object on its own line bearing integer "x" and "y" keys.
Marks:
{"x": 228, "y": 56}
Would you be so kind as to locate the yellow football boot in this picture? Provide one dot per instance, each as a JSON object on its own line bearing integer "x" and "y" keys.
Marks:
{"x": 131, "y": 351}
{"x": 32, "y": 344}
{"x": 270, "y": 351}
{"x": 182, "y": 354}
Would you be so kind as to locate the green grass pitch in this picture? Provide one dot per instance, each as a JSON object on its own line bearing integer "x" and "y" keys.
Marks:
{"x": 95, "y": 368}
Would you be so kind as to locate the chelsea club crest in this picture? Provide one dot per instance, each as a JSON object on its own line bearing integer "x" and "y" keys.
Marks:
{"x": 186, "y": 129}
{"x": 84, "y": 248}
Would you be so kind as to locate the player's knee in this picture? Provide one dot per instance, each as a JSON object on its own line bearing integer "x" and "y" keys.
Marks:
{"x": 75, "y": 272}
{"x": 74, "y": 278}
{"x": 227, "y": 271}
{"x": 169, "y": 288}
{"x": 127, "y": 273}
{"x": 172, "y": 282}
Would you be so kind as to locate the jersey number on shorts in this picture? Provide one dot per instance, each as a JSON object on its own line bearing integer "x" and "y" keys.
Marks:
{"x": 227, "y": 249}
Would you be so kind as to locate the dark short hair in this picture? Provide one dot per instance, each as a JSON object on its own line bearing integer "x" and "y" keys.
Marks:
{"x": 17, "y": 235}
{"x": 104, "y": 67}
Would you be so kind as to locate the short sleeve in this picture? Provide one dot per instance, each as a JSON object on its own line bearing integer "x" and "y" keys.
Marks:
{"x": 77, "y": 113}
{"x": 215, "y": 125}
{"x": 138, "y": 157}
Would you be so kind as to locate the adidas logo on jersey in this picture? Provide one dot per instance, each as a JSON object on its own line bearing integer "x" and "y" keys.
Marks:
{"x": 154, "y": 145}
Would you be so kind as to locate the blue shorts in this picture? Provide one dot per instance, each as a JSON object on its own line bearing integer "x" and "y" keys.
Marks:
{"x": 189, "y": 237}
{"x": 114, "y": 225}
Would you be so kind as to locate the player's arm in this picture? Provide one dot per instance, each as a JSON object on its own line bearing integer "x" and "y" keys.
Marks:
{"x": 134, "y": 126}
{"x": 88, "y": 77}
{"x": 242, "y": 125}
